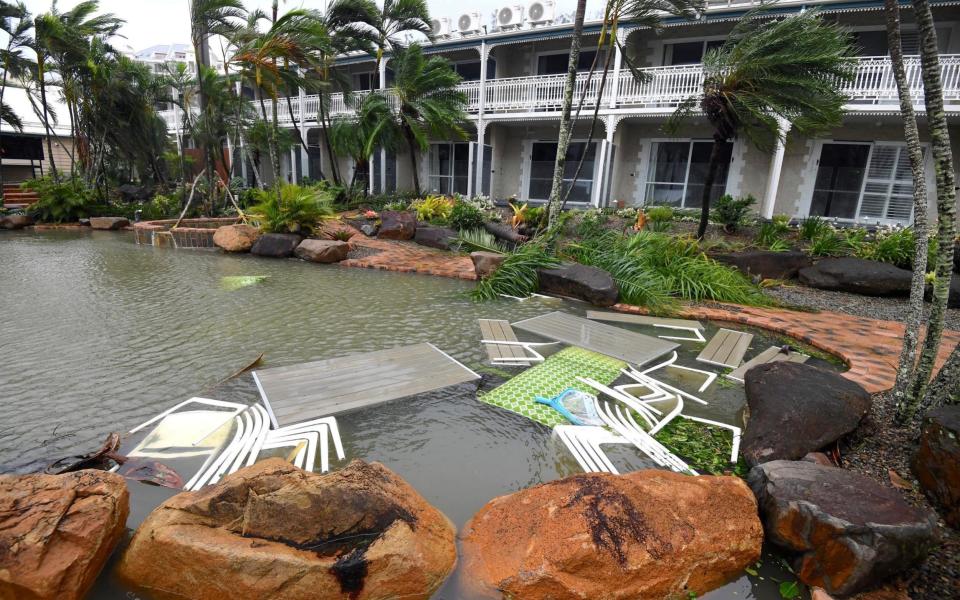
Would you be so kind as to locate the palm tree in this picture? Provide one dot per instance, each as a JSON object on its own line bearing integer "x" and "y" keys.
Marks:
{"x": 768, "y": 72}
{"x": 15, "y": 21}
{"x": 359, "y": 136}
{"x": 908, "y": 354}
{"x": 395, "y": 18}
{"x": 429, "y": 105}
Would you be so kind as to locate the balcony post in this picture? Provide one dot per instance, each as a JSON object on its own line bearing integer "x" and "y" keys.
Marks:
{"x": 477, "y": 186}
{"x": 382, "y": 84}
{"x": 617, "y": 62}
{"x": 776, "y": 166}
{"x": 304, "y": 157}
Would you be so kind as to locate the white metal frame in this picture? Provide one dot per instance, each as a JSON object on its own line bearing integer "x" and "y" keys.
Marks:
{"x": 525, "y": 173}
{"x": 697, "y": 336}
{"x": 535, "y": 357}
{"x": 672, "y": 362}
{"x": 651, "y": 162}
{"x": 584, "y": 441}
{"x": 236, "y": 409}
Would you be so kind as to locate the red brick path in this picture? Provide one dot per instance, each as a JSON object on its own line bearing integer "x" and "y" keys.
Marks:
{"x": 870, "y": 347}
{"x": 408, "y": 257}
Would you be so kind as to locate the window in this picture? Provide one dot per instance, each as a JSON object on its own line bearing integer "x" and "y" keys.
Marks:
{"x": 365, "y": 81}
{"x": 449, "y": 168}
{"x": 678, "y": 171}
{"x": 863, "y": 182}
{"x": 469, "y": 71}
{"x": 688, "y": 53}
{"x": 556, "y": 64}
{"x": 544, "y": 157}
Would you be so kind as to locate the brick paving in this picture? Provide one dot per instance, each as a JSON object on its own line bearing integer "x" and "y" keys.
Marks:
{"x": 408, "y": 257}
{"x": 870, "y": 347}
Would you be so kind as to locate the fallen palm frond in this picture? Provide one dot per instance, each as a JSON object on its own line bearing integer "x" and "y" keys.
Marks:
{"x": 479, "y": 239}
{"x": 517, "y": 276}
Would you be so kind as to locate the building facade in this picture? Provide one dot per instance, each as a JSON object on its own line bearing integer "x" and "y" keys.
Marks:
{"x": 514, "y": 78}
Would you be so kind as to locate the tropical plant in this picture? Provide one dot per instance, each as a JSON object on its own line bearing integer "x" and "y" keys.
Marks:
{"x": 434, "y": 209}
{"x": 370, "y": 128}
{"x": 731, "y": 212}
{"x": 827, "y": 243}
{"x": 517, "y": 275}
{"x": 479, "y": 240}
{"x": 770, "y": 75}
{"x": 655, "y": 270}
{"x": 429, "y": 105}
{"x": 16, "y": 23}
{"x": 521, "y": 213}
{"x": 813, "y": 227}
{"x": 465, "y": 216}
{"x": 293, "y": 209}
{"x": 395, "y": 18}
{"x": 889, "y": 246}
{"x": 659, "y": 218}
{"x": 60, "y": 199}
{"x": 770, "y": 235}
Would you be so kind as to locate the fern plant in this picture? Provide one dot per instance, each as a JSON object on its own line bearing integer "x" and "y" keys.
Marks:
{"x": 479, "y": 240}
{"x": 296, "y": 210}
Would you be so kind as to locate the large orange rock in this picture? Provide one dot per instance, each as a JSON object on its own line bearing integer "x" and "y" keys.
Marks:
{"x": 273, "y": 531}
{"x": 57, "y": 531}
{"x": 648, "y": 534}
{"x": 236, "y": 238}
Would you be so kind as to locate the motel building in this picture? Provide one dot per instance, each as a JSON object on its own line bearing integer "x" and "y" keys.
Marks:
{"x": 513, "y": 76}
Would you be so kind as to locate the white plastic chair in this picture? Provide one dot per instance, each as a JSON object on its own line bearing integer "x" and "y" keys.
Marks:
{"x": 584, "y": 443}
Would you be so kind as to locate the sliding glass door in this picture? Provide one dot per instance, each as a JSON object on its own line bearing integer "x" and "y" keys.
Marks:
{"x": 678, "y": 171}
{"x": 542, "y": 160}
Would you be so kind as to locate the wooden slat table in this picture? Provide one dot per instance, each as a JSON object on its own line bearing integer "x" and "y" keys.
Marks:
{"x": 326, "y": 387}
{"x": 771, "y": 354}
{"x": 492, "y": 329}
{"x": 635, "y": 348}
{"x": 615, "y": 317}
{"x": 726, "y": 349}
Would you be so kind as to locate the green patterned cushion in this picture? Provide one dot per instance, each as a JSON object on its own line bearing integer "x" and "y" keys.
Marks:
{"x": 551, "y": 377}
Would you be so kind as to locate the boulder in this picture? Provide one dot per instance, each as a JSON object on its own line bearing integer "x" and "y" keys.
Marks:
{"x": 795, "y": 409}
{"x": 322, "y": 251}
{"x": 275, "y": 531}
{"x": 850, "y": 532}
{"x": 369, "y": 229}
{"x": 57, "y": 531}
{"x": 937, "y": 461}
{"x": 337, "y": 230}
{"x": 109, "y": 223}
{"x": 397, "y": 225}
{"x": 645, "y": 534}
{"x": 858, "y": 276}
{"x": 15, "y": 221}
{"x": 582, "y": 282}
{"x": 236, "y": 238}
{"x": 766, "y": 264}
{"x": 435, "y": 237}
{"x": 276, "y": 245}
{"x": 485, "y": 263}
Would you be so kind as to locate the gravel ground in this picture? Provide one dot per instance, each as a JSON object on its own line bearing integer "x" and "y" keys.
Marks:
{"x": 879, "y": 446}
{"x": 887, "y": 309}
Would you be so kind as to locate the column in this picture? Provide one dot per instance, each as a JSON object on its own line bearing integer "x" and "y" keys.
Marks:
{"x": 603, "y": 157}
{"x": 304, "y": 155}
{"x": 776, "y": 166}
{"x": 382, "y": 80}
{"x": 481, "y": 125}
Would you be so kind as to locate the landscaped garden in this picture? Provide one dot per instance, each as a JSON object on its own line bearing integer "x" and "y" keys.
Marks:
{"x": 226, "y": 387}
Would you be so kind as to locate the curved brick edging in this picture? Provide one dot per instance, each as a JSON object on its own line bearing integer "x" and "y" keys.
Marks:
{"x": 870, "y": 347}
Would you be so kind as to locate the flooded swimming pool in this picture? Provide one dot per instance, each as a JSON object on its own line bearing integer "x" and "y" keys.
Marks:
{"x": 99, "y": 334}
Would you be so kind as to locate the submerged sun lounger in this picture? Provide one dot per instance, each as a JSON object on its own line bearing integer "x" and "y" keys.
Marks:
{"x": 584, "y": 443}
{"x": 726, "y": 349}
{"x": 504, "y": 349}
{"x": 771, "y": 354}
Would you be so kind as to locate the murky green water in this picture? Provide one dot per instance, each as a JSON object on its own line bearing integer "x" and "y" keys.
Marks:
{"x": 98, "y": 334}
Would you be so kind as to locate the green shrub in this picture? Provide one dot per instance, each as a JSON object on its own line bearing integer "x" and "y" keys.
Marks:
{"x": 592, "y": 223}
{"x": 396, "y": 206}
{"x": 161, "y": 207}
{"x": 659, "y": 217}
{"x": 517, "y": 276}
{"x": 536, "y": 217}
{"x": 827, "y": 243}
{"x": 889, "y": 246}
{"x": 297, "y": 210}
{"x": 465, "y": 216}
{"x": 731, "y": 212}
{"x": 770, "y": 236}
{"x": 434, "y": 209}
{"x": 68, "y": 200}
{"x": 811, "y": 227}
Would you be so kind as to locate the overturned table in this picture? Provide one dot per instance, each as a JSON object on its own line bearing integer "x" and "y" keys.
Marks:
{"x": 326, "y": 387}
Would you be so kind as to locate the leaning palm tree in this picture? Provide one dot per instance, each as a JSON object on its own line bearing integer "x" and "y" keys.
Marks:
{"x": 369, "y": 129}
{"x": 429, "y": 105}
{"x": 770, "y": 73}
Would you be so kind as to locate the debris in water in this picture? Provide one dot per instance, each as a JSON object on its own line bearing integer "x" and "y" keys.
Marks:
{"x": 93, "y": 460}
{"x": 152, "y": 472}
{"x": 235, "y": 282}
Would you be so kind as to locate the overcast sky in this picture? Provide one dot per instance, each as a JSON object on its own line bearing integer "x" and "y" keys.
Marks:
{"x": 150, "y": 22}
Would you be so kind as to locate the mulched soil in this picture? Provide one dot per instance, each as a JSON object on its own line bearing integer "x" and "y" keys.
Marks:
{"x": 879, "y": 446}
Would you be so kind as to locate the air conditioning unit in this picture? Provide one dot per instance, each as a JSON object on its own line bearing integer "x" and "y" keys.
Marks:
{"x": 440, "y": 27}
{"x": 469, "y": 23}
{"x": 510, "y": 17}
{"x": 541, "y": 12}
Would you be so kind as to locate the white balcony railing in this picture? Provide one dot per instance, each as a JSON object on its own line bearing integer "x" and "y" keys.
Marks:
{"x": 872, "y": 85}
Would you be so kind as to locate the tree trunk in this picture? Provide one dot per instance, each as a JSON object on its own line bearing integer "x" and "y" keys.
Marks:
{"x": 715, "y": 151}
{"x": 412, "y": 144}
{"x": 945, "y": 387}
{"x": 334, "y": 169}
{"x": 946, "y": 199}
{"x": 46, "y": 122}
{"x": 566, "y": 126}
{"x": 3, "y": 90}
{"x": 908, "y": 354}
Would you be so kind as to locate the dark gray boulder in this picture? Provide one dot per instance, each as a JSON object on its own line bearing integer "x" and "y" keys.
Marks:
{"x": 591, "y": 284}
{"x": 397, "y": 225}
{"x": 849, "y": 532}
{"x": 858, "y": 276}
{"x": 435, "y": 237}
{"x": 276, "y": 245}
{"x": 796, "y": 409}
{"x": 766, "y": 264}
{"x": 937, "y": 461}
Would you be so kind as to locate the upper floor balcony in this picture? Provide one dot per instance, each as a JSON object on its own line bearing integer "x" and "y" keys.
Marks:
{"x": 872, "y": 88}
